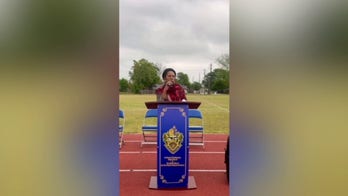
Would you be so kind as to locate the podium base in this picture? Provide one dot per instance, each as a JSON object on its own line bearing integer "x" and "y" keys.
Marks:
{"x": 190, "y": 185}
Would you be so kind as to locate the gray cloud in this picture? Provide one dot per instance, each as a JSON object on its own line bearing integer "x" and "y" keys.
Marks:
{"x": 188, "y": 35}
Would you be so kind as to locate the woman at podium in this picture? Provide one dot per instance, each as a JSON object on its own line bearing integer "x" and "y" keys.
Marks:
{"x": 170, "y": 90}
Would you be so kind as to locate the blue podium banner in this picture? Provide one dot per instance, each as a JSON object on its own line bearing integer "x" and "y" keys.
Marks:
{"x": 173, "y": 149}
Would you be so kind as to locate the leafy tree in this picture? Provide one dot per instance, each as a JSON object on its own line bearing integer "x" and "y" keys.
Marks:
{"x": 196, "y": 86}
{"x": 183, "y": 79}
{"x": 219, "y": 80}
{"x": 124, "y": 85}
{"x": 143, "y": 75}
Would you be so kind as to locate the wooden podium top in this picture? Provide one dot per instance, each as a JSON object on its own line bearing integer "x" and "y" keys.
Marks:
{"x": 154, "y": 104}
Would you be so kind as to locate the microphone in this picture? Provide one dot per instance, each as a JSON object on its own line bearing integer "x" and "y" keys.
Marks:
{"x": 170, "y": 84}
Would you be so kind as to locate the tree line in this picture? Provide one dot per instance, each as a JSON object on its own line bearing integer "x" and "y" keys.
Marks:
{"x": 146, "y": 75}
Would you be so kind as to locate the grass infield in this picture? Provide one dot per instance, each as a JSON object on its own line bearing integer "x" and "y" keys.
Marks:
{"x": 215, "y": 109}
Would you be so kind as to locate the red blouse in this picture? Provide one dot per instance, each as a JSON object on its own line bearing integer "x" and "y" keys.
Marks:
{"x": 175, "y": 93}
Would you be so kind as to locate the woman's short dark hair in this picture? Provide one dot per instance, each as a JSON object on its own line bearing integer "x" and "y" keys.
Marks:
{"x": 164, "y": 74}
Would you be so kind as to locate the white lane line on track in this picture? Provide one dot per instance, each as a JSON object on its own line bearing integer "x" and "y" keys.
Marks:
{"x": 125, "y": 170}
{"x": 198, "y": 152}
{"x": 154, "y": 170}
{"x": 207, "y": 170}
{"x": 154, "y": 152}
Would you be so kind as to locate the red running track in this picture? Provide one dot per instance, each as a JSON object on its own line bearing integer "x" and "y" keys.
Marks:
{"x": 138, "y": 164}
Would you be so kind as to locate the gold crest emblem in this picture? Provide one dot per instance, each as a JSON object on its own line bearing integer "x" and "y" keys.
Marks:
{"x": 173, "y": 140}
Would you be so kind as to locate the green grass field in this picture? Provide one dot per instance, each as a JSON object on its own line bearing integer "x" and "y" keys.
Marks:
{"x": 215, "y": 109}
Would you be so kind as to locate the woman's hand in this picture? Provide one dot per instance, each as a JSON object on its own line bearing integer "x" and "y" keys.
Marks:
{"x": 170, "y": 83}
{"x": 167, "y": 86}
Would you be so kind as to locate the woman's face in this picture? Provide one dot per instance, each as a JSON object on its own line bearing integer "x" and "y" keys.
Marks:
{"x": 170, "y": 76}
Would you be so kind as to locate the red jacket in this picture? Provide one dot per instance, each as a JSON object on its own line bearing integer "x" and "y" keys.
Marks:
{"x": 175, "y": 93}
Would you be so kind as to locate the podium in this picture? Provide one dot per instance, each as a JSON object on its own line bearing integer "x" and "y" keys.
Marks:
{"x": 172, "y": 145}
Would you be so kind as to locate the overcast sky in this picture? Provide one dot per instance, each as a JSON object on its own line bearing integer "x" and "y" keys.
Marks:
{"x": 187, "y": 35}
